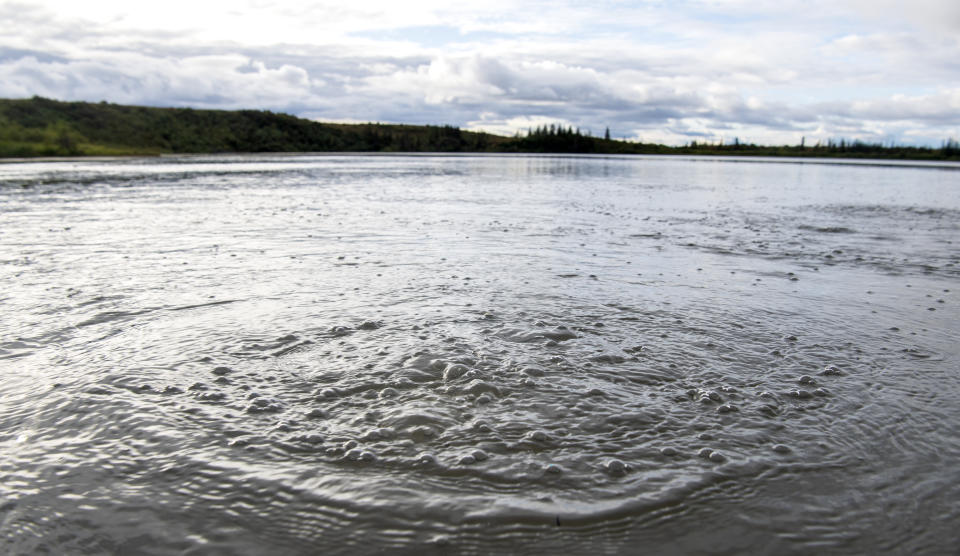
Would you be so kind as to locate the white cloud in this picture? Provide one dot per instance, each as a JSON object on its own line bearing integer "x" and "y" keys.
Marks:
{"x": 204, "y": 81}
{"x": 492, "y": 123}
{"x": 653, "y": 70}
{"x": 941, "y": 16}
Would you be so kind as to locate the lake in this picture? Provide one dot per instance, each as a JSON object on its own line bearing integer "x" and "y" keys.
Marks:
{"x": 294, "y": 354}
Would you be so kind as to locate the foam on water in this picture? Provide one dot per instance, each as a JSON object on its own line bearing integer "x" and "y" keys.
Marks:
{"x": 475, "y": 354}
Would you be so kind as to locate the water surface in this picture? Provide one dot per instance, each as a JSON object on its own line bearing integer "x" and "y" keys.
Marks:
{"x": 475, "y": 354}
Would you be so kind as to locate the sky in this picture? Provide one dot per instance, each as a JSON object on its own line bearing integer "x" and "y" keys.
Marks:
{"x": 649, "y": 70}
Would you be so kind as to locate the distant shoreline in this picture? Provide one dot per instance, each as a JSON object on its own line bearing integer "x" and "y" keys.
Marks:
{"x": 950, "y": 165}
{"x": 39, "y": 128}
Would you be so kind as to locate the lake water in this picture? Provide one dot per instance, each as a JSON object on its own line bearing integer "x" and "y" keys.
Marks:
{"x": 476, "y": 354}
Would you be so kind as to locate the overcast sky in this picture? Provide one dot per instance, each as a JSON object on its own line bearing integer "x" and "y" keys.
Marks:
{"x": 665, "y": 71}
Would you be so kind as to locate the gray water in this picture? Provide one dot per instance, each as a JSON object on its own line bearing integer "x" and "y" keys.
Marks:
{"x": 364, "y": 354}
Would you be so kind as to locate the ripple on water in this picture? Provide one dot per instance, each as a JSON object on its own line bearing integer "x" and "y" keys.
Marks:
{"x": 614, "y": 374}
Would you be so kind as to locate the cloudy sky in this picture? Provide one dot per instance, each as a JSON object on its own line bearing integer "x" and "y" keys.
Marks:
{"x": 652, "y": 70}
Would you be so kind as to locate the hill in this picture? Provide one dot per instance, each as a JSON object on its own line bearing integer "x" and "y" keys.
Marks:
{"x": 44, "y": 127}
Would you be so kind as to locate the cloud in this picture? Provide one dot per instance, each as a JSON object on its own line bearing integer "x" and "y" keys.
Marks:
{"x": 230, "y": 81}
{"x": 941, "y": 16}
{"x": 940, "y": 108}
{"x": 700, "y": 69}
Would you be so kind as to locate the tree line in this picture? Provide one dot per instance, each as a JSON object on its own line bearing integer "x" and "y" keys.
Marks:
{"x": 44, "y": 127}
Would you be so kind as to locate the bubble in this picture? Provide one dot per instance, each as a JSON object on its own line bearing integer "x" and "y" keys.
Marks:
{"x": 831, "y": 370}
{"x": 454, "y": 371}
{"x": 781, "y": 448}
{"x": 311, "y": 438}
{"x": 669, "y": 452}
{"x": 615, "y": 467}
{"x": 553, "y": 469}
{"x": 538, "y": 436}
{"x": 389, "y": 393}
{"x": 707, "y": 453}
{"x": 317, "y": 413}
